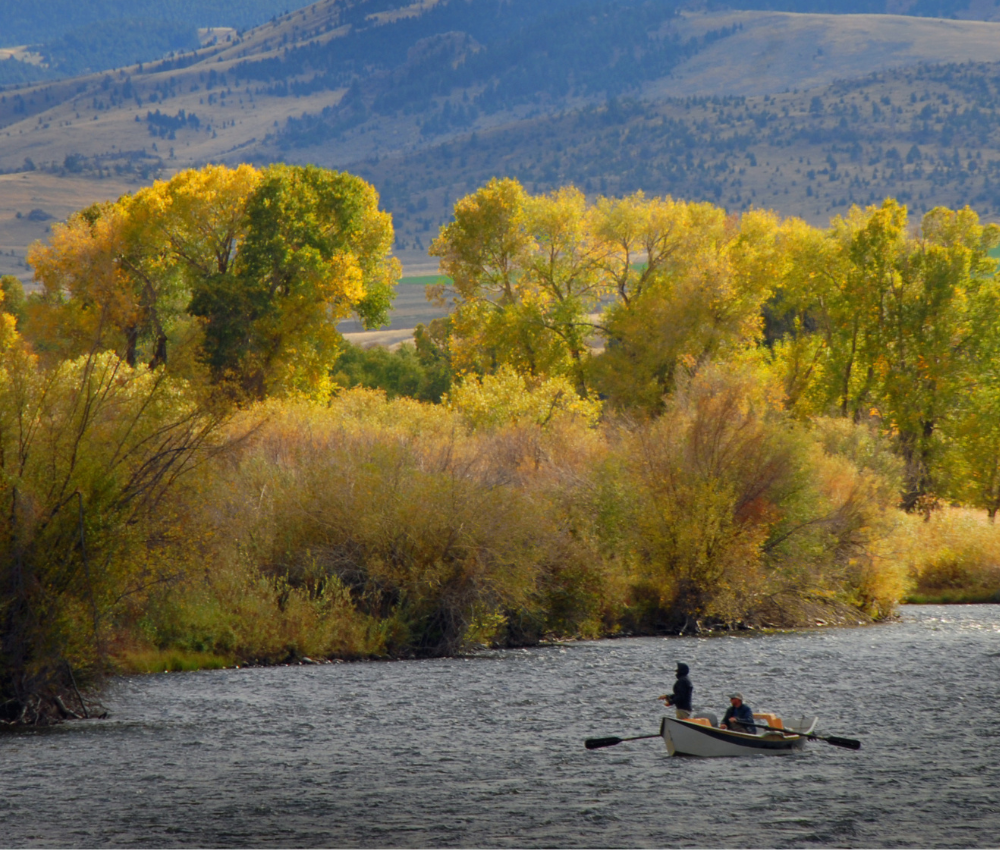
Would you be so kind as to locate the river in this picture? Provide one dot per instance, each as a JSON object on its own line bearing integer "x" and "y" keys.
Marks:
{"x": 488, "y": 751}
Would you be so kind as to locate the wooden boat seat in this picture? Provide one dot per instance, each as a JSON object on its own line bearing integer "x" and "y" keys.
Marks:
{"x": 769, "y": 719}
{"x": 701, "y": 721}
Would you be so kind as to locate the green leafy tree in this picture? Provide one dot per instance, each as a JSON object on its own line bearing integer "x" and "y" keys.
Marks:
{"x": 902, "y": 319}
{"x": 315, "y": 249}
{"x": 12, "y": 299}
{"x": 403, "y": 372}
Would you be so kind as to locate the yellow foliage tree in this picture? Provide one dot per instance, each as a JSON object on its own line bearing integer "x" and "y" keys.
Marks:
{"x": 268, "y": 261}
{"x": 700, "y": 299}
{"x": 507, "y": 397}
{"x": 526, "y": 275}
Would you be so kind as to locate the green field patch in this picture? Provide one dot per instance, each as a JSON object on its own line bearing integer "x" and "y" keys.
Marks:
{"x": 425, "y": 280}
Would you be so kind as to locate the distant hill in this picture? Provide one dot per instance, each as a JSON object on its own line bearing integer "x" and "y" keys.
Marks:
{"x": 976, "y": 10}
{"x": 43, "y": 21}
{"x": 68, "y": 37}
{"x": 929, "y": 136}
{"x": 429, "y": 98}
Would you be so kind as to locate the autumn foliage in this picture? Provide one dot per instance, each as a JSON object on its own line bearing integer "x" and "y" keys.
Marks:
{"x": 641, "y": 415}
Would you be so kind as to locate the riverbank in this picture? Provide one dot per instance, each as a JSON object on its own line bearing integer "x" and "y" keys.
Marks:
{"x": 952, "y": 556}
{"x": 362, "y": 527}
{"x": 810, "y": 615}
{"x": 369, "y": 528}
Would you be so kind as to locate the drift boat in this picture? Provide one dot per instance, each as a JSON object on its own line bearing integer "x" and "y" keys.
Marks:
{"x": 700, "y": 736}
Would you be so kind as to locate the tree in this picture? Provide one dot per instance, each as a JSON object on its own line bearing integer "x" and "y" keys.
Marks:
{"x": 902, "y": 319}
{"x": 12, "y": 300}
{"x": 87, "y": 299}
{"x": 505, "y": 397}
{"x": 712, "y": 274}
{"x": 91, "y": 452}
{"x": 315, "y": 249}
{"x": 267, "y": 262}
{"x": 639, "y": 236}
{"x": 119, "y": 275}
{"x": 190, "y": 230}
{"x": 973, "y": 452}
{"x": 526, "y": 275}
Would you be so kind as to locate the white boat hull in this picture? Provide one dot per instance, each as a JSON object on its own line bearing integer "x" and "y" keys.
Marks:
{"x": 684, "y": 738}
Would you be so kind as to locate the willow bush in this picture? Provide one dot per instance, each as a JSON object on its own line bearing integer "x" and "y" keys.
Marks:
{"x": 952, "y": 555}
{"x": 92, "y": 456}
{"x": 737, "y": 512}
{"x": 369, "y": 526}
{"x": 387, "y": 502}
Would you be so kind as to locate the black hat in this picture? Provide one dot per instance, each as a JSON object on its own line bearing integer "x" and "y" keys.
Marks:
{"x": 682, "y": 669}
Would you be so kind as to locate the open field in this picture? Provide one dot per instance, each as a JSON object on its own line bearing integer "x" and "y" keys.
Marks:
{"x": 772, "y": 52}
{"x": 410, "y": 308}
{"x": 387, "y": 339}
{"x": 47, "y": 195}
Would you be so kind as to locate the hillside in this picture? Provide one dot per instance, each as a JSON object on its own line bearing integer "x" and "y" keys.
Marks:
{"x": 65, "y": 38}
{"x": 429, "y": 99}
{"x": 44, "y": 20}
{"x": 928, "y": 136}
{"x": 54, "y": 39}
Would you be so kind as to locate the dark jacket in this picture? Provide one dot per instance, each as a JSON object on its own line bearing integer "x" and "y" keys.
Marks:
{"x": 681, "y": 697}
{"x": 739, "y": 717}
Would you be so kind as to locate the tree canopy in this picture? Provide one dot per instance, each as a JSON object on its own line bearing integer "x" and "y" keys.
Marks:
{"x": 870, "y": 319}
{"x": 251, "y": 268}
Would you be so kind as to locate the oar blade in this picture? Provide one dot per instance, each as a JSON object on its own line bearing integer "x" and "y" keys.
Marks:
{"x": 597, "y": 743}
{"x": 846, "y": 743}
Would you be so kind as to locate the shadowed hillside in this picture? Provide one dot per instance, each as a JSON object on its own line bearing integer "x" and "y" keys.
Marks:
{"x": 431, "y": 98}
{"x": 930, "y": 137}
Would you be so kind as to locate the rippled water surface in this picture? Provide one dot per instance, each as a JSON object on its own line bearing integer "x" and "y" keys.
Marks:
{"x": 488, "y": 752}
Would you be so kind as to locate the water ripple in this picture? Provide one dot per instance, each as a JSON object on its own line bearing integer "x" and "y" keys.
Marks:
{"x": 488, "y": 752}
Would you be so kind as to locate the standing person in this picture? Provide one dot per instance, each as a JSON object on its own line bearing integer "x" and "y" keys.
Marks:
{"x": 738, "y": 717}
{"x": 681, "y": 697}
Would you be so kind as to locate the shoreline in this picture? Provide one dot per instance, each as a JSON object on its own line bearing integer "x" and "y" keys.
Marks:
{"x": 748, "y": 631}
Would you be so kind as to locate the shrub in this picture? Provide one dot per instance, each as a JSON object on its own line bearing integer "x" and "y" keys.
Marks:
{"x": 737, "y": 507}
{"x": 91, "y": 456}
{"x": 952, "y": 556}
{"x": 421, "y": 530}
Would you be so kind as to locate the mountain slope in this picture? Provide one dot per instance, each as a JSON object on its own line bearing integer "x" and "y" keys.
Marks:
{"x": 42, "y": 21}
{"x": 430, "y": 98}
{"x": 929, "y": 136}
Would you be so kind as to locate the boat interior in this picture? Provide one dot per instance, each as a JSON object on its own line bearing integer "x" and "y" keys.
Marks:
{"x": 799, "y": 726}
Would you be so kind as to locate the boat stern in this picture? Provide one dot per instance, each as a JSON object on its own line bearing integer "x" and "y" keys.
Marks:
{"x": 665, "y": 734}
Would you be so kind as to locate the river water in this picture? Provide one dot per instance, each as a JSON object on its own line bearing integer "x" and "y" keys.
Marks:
{"x": 488, "y": 751}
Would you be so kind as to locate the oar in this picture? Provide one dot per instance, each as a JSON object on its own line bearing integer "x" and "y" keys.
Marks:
{"x": 597, "y": 743}
{"x": 846, "y": 743}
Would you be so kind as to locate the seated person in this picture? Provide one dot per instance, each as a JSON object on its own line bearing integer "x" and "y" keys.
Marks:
{"x": 738, "y": 717}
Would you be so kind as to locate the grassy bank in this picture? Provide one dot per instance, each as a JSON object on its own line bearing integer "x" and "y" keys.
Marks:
{"x": 951, "y": 557}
